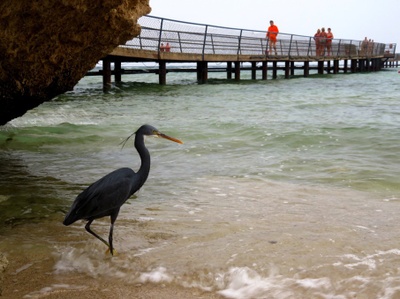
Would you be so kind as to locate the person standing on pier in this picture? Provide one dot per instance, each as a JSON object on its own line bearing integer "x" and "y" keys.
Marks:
{"x": 322, "y": 42}
{"x": 364, "y": 47}
{"x": 271, "y": 35}
{"x": 317, "y": 44}
{"x": 329, "y": 38}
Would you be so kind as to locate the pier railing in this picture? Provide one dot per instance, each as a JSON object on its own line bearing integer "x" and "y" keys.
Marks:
{"x": 161, "y": 34}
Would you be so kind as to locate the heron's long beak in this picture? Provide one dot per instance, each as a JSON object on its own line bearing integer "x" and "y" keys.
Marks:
{"x": 169, "y": 138}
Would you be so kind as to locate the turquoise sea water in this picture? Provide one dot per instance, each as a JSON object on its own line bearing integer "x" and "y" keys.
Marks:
{"x": 282, "y": 188}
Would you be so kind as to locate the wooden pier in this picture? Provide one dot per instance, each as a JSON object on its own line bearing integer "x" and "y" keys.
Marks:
{"x": 169, "y": 41}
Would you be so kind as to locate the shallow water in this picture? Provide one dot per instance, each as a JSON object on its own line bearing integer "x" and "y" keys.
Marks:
{"x": 282, "y": 189}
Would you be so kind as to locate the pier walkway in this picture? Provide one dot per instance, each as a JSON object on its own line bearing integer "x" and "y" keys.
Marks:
{"x": 167, "y": 41}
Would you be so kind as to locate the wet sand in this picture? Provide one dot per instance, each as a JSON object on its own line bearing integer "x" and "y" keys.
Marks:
{"x": 28, "y": 277}
{"x": 31, "y": 273}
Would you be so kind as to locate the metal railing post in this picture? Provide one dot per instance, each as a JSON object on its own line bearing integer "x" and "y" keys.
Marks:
{"x": 140, "y": 42}
{"x": 240, "y": 41}
{"x": 180, "y": 42}
{"x": 290, "y": 45}
{"x": 204, "y": 41}
{"x": 309, "y": 47}
{"x": 160, "y": 35}
{"x": 338, "y": 49}
{"x": 262, "y": 47}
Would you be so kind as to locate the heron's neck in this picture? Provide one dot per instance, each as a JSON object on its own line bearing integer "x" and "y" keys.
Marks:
{"x": 144, "y": 154}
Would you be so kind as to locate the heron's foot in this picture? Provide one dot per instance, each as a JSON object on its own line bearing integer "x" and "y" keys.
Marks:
{"x": 113, "y": 253}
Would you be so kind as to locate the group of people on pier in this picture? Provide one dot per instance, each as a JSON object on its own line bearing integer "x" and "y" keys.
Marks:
{"x": 165, "y": 48}
{"x": 323, "y": 42}
{"x": 367, "y": 47}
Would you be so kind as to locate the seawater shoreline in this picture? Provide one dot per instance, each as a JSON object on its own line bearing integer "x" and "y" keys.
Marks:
{"x": 282, "y": 189}
{"x": 60, "y": 262}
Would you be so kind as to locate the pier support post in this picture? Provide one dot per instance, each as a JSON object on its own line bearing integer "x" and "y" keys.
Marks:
{"x": 287, "y": 69}
{"x": 306, "y": 68}
{"x": 106, "y": 74}
{"x": 253, "y": 70}
{"x": 292, "y": 68}
{"x": 117, "y": 71}
{"x": 274, "y": 69}
{"x": 321, "y": 67}
{"x": 379, "y": 64}
{"x": 229, "y": 70}
{"x": 363, "y": 65}
{"x": 335, "y": 66}
{"x": 353, "y": 66}
{"x": 202, "y": 72}
{"x": 345, "y": 66}
{"x": 162, "y": 73}
{"x": 376, "y": 64}
{"x": 264, "y": 70}
{"x": 328, "y": 66}
{"x": 237, "y": 70}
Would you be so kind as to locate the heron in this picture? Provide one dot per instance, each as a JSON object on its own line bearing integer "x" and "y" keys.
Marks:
{"x": 106, "y": 196}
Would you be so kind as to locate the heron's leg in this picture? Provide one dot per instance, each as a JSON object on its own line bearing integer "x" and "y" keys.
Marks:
{"x": 110, "y": 236}
{"x": 87, "y": 227}
{"x": 110, "y": 239}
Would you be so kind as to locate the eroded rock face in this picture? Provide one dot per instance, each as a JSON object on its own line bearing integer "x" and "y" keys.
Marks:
{"x": 3, "y": 266}
{"x": 47, "y": 46}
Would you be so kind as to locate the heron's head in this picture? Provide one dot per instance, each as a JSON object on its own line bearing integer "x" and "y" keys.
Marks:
{"x": 147, "y": 130}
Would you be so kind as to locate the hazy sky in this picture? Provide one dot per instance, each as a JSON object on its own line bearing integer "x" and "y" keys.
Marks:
{"x": 349, "y": 19}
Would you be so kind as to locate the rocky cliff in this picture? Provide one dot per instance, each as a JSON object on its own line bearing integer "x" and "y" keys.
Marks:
{"x": 46, "y": 46}
{"x": 3, "y": 266}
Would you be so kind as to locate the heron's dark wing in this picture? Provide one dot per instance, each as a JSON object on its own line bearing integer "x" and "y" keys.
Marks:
{"x": 103, "y": 196}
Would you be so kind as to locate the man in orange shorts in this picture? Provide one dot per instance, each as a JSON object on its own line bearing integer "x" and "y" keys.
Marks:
{"x": 271, "y": 35}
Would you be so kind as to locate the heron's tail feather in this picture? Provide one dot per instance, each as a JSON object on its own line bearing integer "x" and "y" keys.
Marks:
{"x": 72, "y": 214}
{"x": 70, "y": 218}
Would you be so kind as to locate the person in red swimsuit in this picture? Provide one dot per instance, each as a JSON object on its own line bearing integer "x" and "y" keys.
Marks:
{"x": 317, "y": 44}
{"x": 329, "y": 38}
{"x": 271, "y": 35}
{"x": 322, "y": 42}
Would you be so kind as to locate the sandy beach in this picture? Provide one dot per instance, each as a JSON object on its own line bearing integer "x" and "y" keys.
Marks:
{"x": 33, "y": 277}
{"x": 31, "y": 273}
